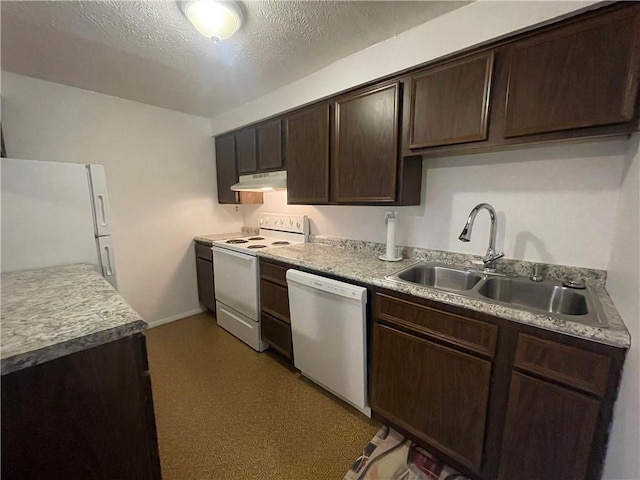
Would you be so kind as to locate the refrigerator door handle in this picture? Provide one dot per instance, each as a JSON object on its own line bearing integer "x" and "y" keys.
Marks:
{"x": 103, "y": 210}
{"x": 109, "y": 267}
{"x": 99, "y": 199}
{"x": 107, "y": 264}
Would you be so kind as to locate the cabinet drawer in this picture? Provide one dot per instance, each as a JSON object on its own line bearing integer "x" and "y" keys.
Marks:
{"x": 274, "y": 300}
{"x": 472, "y": 334}
{"x": 277, "y": 334}
{"x": 204, "y": 251}
{"x": 273, "y": 273}
{"x": 571, "y": 366}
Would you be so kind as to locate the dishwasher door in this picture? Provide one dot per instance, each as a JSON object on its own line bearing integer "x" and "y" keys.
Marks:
{"x": 328, "y": 327}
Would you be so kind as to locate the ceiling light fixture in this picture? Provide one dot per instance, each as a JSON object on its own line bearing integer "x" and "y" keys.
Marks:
{"x": 214, "y": 19}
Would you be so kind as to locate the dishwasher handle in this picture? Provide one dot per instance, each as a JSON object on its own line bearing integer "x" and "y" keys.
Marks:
{"x": 327, "y": 285}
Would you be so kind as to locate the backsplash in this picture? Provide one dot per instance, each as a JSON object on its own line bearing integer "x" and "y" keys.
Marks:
{"x": 589, "y": 276}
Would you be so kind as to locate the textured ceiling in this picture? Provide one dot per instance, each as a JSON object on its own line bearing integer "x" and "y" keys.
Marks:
{"x": 147, "y": 51}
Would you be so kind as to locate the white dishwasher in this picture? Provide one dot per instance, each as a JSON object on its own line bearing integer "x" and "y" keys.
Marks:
{"x": 328, "y": 327}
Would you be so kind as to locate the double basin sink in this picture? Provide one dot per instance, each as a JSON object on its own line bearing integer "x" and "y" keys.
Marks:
{"x": 546, "y": 297}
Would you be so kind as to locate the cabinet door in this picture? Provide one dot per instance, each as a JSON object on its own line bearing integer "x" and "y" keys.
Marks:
{"x": 277, "y": 334}
{"x": 580, "y": 75}
{"x": 226, "y": 168}
{"x": 206, "y": 292}
{"x": 270, "y": 146}
{"x": 365, "y": 160}
{"x": 548, "y": 431}
{"x": 449, "y": 103}
{"x": 87, "y": 415}
{"x": 436, "y": 393}
{"x": 307, "y": 147}
{"x": 246, "y": 151}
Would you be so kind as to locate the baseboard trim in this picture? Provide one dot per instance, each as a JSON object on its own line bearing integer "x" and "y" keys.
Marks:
{"x": 173, "y": 318}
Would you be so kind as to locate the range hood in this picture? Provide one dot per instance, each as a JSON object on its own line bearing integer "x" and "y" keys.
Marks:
{"x": 261, "y": 182}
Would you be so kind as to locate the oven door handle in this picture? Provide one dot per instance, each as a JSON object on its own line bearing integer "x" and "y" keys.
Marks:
{"x": 243, "y": 256}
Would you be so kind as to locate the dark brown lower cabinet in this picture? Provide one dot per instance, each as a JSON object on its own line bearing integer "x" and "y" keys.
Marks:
{"x": 275, "y": 322}
{"x": 277, "y": 334}
{"x": 88, "y": 415}
{"x": 548, "y": 433}
{"x": 435, "y": 392}
{"x": 204, "y": 272}
{"x": 494, "y": 398}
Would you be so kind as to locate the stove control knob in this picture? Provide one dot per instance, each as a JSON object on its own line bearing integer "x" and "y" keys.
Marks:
{"x": 261, "y": 221}
{"x": 291, "y": 222}
{"x": 282, "y": 221}
{"x": 298, "y": 225}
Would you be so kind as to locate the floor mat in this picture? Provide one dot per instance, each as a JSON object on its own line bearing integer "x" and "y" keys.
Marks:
{"x": 390, "y": 456}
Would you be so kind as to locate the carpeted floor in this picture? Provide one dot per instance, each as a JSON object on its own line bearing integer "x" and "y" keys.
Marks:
{"x": 224, "y": 411}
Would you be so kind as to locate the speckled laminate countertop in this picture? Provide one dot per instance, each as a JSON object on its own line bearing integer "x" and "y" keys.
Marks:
{"x": 51, "y": 312}
{"x": 365, "y": 267}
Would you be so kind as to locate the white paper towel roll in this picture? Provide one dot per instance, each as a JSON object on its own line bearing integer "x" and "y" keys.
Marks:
{"x": 390, "y": 254}
{"x": 391, "y": 237}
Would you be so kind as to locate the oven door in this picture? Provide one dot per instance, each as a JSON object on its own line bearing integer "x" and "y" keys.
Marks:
{"x": 236, "y": 281}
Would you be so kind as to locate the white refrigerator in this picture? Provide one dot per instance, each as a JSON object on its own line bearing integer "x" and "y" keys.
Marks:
{"x": 54, "y": 213}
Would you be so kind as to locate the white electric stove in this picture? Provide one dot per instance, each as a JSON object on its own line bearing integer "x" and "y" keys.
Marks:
{"x": 237, "y": 279}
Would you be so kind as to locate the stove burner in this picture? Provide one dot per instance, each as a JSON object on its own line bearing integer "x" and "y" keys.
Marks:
{"x": 256, "y": 246}
{"x": 236, "y": 240}
{"x": 255, "y": 238}
{"x": 281, "y": 242}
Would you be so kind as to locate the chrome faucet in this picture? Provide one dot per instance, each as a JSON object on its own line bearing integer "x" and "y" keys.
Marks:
{"x": 491, "y": 256}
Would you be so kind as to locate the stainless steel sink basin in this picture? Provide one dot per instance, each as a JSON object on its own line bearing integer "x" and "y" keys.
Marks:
{"x": 436, "y": 276}
{"x": 541, "y": 296}
{"x": 548, "y": 297}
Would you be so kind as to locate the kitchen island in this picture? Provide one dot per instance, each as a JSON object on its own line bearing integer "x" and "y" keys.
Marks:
{"x": 76, "y": 392}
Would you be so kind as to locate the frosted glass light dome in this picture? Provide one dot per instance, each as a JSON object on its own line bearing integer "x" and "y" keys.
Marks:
{"x": 214, "y": 19}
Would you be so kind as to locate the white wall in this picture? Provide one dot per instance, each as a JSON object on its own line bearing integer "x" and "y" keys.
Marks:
{"x": 160, "y": 175}
{"x": 555, "y": 204}
{"x": 623, "y": 285}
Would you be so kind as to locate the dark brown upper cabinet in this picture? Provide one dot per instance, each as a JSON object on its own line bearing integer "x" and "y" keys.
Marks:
{"x": 246, "y": 157}
{"x": 270, "y": 155}
{"x": 365, "y": 153}
{"x": 226, "y": 168}
{"x": 450, "y": 102}
{"x": 227, "y": 173}
{"x": 574, "y": 79}
{"x": 307, "y": 145}
{"x": 581, "y": 75}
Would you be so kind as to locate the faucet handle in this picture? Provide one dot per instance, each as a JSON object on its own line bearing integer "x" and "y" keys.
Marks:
{"x": 492, "y": 257}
